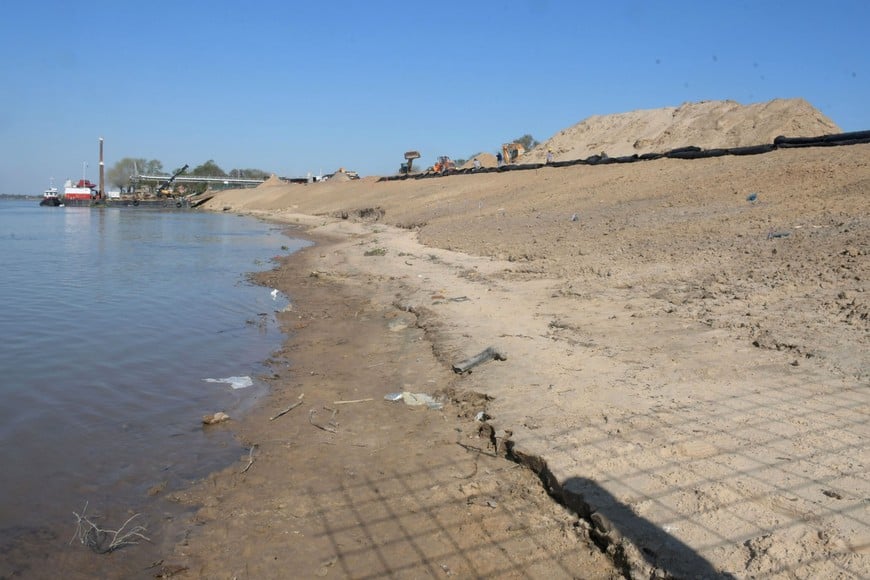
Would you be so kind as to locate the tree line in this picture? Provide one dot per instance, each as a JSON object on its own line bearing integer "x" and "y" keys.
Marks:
{"x": 123, "y": 174}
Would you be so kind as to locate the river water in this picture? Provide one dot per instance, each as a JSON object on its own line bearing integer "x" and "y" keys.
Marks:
{"x": 120, "y": 329}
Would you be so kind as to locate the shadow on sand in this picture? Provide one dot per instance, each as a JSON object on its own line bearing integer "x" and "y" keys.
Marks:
{"x": 645, "y": 545}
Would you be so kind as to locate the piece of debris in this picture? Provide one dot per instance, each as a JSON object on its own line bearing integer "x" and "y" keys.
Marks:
{"x": 242, "y": 382}
{"x": 288, "y": 409}
{"x": 104, "y": 541}
{"x": 752, "y": 197}
{"x": 330, "y": 427}
{"x": 250, "y": 458}
{"x": 325, "y": 566}
{"x": 772, "y": 235}
{"x": 415, "y": 399}
{"x": 218, "y": 417}
{"x": 489, "y": 354}
{"x": 351, "y": 402}
{"x": 481, "y": 501}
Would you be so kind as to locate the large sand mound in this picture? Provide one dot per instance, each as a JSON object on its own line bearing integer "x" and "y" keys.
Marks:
{"x": 708, "y": 124}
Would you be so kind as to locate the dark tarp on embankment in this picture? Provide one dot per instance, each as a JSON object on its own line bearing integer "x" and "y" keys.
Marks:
{"x": 852, "y": 138}
{"x": 688, "y": 152}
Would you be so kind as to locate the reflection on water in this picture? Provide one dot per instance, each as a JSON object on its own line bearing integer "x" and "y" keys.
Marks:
{"x": 112, "y": 320}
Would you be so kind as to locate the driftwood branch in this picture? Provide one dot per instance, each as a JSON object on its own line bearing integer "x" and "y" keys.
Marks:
{"x": 250, "y": 457}
{"x": 491, "y": 353}
{"x": 288, "y": 409}
{"x": 351, "y": 402}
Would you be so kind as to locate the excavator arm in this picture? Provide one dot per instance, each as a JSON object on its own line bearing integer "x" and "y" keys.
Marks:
{"x": 166, "y": 187}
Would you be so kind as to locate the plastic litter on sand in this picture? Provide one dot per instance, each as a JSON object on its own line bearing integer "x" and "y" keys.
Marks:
{"x": 415, "y": 399}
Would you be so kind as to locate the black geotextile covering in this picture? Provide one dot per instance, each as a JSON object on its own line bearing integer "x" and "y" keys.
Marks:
{"x": 688, "y": 152}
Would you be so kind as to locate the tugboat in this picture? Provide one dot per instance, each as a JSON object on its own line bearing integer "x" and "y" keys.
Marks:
{"x": 50, "y": 197}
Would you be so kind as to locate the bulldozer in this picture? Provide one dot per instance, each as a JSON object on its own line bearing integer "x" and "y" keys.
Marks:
{"x": 444, "y": 164}
{"x": 510, "y": 152}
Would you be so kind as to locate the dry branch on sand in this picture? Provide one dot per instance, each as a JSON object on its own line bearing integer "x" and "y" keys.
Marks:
{"x": 103, "y": 541}
{"x": 251, "y": 457}
{"x": 288, "y": 409}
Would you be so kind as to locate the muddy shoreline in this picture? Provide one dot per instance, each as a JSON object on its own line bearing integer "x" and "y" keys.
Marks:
{"x": 349, "y": 484}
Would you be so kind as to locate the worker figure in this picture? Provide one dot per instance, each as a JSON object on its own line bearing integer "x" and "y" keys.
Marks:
{"x": 476, "y": 164}
{"x": 549, "y": 156}
{"x": 499, "y": 159}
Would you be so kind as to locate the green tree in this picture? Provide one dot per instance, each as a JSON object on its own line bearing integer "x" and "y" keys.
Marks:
{"x": 153, "y": 167}
{"x": 123, "y": 173}
{"x": 208, "y": 169}
{"x": 527, "y": 141}
{"x": 249, "y": 174}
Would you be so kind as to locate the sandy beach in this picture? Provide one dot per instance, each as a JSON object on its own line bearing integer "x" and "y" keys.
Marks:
{"x": 684, "y": 390}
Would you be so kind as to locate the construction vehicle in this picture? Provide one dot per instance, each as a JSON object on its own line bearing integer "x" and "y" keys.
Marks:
{"x": 410, "y": 156}
{"x": 165, "y": 188}
{"x": 510, "y": 152}
{"x": 341, "y": 174}
{"x": 444, "y": 164}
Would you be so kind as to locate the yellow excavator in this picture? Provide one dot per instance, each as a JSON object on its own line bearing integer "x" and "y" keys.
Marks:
{"x": 510, "y": 152}
{"x": 165, "y": 188}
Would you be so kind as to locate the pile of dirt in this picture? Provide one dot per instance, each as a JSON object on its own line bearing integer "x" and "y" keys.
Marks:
{"x": 271, "y": 182}
{"x": 486, "y": 160}
{"x": 707, "y": 124}
{"x": 339, "y": 176}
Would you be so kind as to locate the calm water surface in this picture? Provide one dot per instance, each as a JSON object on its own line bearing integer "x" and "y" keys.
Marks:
{"x": 112, "y": 322}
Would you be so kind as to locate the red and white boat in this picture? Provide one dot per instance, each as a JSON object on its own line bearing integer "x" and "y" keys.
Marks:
{"x": 81, "y": 193}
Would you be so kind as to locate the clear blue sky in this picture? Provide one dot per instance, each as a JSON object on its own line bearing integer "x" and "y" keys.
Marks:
{"x": 292, "y": 87}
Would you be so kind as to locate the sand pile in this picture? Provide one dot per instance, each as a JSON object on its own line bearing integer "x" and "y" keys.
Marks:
{"x": 339, "y": 176}
{"x": 271, "y": 182}
{"x": 707, "y": 124}
{"x": 486, "y": 160}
